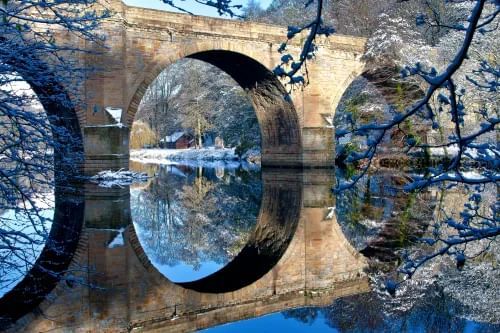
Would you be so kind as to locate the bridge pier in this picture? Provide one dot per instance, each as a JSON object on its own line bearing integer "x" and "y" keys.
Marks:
{"x": 107, "y": 208}
{"x": 106, "y": 148}
{"x": 318, "y": 147}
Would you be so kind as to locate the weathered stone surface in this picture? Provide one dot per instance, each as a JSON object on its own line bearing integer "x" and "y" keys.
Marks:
{"x": 143, "y": 42}
{"x": 106, "y": 148}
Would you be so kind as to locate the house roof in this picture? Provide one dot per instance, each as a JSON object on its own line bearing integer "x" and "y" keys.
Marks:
{"x": 173, "y": 137}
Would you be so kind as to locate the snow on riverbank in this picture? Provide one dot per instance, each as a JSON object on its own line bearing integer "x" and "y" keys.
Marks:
{"x": 469, "y": 152}
{"x": 207, "y": 157}
{"x": 204, "y": 154}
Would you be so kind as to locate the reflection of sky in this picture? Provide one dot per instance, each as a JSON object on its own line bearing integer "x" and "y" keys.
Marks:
{"x": 189, "y": 5}
{"x": 185, "y": 273}
{"x": 272, "y": 323}
{"x": 181, "y": 272}
{"x": 277, "y": 322}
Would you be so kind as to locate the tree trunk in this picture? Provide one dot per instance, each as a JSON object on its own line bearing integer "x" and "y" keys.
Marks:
{"x": 199, "y": 133}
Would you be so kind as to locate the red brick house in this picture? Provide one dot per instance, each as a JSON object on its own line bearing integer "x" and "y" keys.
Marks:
{"x": 178, "y": 140}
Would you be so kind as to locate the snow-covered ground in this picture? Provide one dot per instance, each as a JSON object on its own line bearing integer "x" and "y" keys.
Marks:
{"x": 203, "y": 154}
{"x": 207, "y": 157}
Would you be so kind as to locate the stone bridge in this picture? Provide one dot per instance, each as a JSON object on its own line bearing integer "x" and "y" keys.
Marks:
{"x": 296, "y": 257}
{"x": 140, "y": 43}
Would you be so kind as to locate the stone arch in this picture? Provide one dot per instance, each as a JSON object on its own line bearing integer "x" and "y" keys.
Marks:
{"x": 386, "y": 82}
{"x": 59, "y": 107}
{"x": 276, "y": 224}
{"x": 335, "y": 100}
{"x": 384, "y": 79}
{"x": 278, "y": 119}
{"x": 67, "y": 222}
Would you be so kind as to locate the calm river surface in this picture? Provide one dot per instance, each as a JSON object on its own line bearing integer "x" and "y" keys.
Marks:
{"x": 232, "y": 248}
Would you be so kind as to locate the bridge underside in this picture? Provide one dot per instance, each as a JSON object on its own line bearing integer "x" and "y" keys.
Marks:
{"x": 279, "y": 124}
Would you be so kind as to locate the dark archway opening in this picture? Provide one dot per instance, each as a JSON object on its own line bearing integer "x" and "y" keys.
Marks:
{"x": 277, "y": 118}
{"x": 280, "y": 146}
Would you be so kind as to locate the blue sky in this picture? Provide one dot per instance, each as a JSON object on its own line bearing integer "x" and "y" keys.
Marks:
{"x": 190, "y": 5}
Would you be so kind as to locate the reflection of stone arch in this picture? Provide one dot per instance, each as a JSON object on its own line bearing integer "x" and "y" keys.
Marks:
{"x": 278, "y": 119}
{"x": 53, "y": 260}
{"x": 276, "y": 224}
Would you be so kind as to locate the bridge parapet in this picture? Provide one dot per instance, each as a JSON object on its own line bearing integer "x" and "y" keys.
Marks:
{"x": 183, "y": 24}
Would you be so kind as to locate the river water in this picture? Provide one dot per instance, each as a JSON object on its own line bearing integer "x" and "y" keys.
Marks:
{"x": 232, "y": 248}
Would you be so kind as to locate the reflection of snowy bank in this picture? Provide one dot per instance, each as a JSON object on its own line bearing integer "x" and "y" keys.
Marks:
{"x": 118, "y": 178}
{"x": 206, "y": 157}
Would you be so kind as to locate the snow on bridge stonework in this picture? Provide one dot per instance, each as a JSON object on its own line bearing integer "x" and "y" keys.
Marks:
{"x": 140, "y": 43}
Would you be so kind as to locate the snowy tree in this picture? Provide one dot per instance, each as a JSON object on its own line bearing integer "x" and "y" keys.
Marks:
{"x": 447, "y": 87}
{"x": 252, "y": 10}
{"x": 159, "y": 105}
{"x": 196, "y": 108}
{"x": 197, "y": 90}
{"x": 40, "y": 143}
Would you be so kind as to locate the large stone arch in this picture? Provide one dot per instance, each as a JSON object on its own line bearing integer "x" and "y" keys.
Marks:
{"x": 143, "y": 42}
{"x": 278, "y": 119}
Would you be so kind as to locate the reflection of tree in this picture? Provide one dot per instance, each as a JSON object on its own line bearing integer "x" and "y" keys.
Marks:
{"x": 430, "y": 311}
{"x": 26, "y": 239}
{"x": 196, "y": 218}
{"x": 379, "y": 219}
{"x": 198, "y": 201}
{"x": 304, "y": 315}
{"x": 383, "y": 236}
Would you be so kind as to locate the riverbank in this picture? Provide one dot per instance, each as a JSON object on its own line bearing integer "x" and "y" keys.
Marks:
{"x": 204, "y": 154}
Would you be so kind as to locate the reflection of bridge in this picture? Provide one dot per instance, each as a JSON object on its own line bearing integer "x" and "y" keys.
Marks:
{"x": 301, "y": 258}
{"x": 142, "y": 42}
